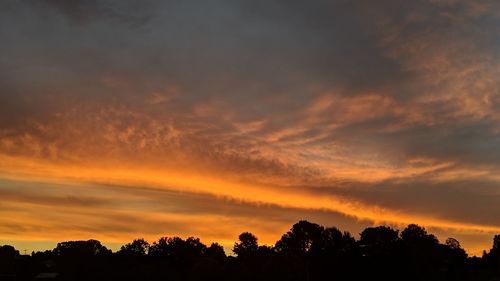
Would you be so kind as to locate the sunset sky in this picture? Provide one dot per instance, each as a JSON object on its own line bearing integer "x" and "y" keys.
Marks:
{"x": 127, "y": 119}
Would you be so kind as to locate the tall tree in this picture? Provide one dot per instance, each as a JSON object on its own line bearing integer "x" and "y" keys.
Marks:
{"x": 302, "y": 238}
{"x": 247, "y": 245}
{"x": 378, "y": 241}
{"x": 138, "y": 247}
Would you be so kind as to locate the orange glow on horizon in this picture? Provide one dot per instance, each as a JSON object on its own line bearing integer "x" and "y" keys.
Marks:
{"x": 190, "y": 182}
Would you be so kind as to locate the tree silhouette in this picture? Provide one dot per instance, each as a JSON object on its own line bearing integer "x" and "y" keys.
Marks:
{"x": 496, "y": 243}
{"x": 492, "y": 258}
{"x": 246, "y": 246}
{"x": 378, "y": 241}
{"x": 8, "y": 255}
{"x": 416, "y": 234}
{"x": 455, "y": 251}
{"x": 333, "y": 241}
{"x": 302, "y": 238}
{"x": 178, "y": 249}
{"x": 452, "y": 243}
{"x": 138, "y": 247}
{"x": 81, "y": 249}
{"x": 216, "y": 251}
{"x": 8, "y": 252}
{"x": 307, "y": 252}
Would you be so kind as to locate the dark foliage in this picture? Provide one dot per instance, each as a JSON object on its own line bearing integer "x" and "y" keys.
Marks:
{"x": 308, "y": 251}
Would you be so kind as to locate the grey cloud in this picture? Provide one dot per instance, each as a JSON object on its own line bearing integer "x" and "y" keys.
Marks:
{"x": 469, "y": 201}
{"x": 214, "y": 44}
{"x": 198, "y": 203}
{"x": 52, "y": 200}
{"x": 471, "y": 143}
{"x": 84, "y": 12}
{"x": 325, "y": 44}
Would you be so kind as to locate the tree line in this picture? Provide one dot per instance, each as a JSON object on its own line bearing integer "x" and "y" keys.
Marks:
{"x": 308, "y": 251}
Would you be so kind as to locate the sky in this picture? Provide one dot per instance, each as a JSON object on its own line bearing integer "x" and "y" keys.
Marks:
{"x": 128, "y": 119}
